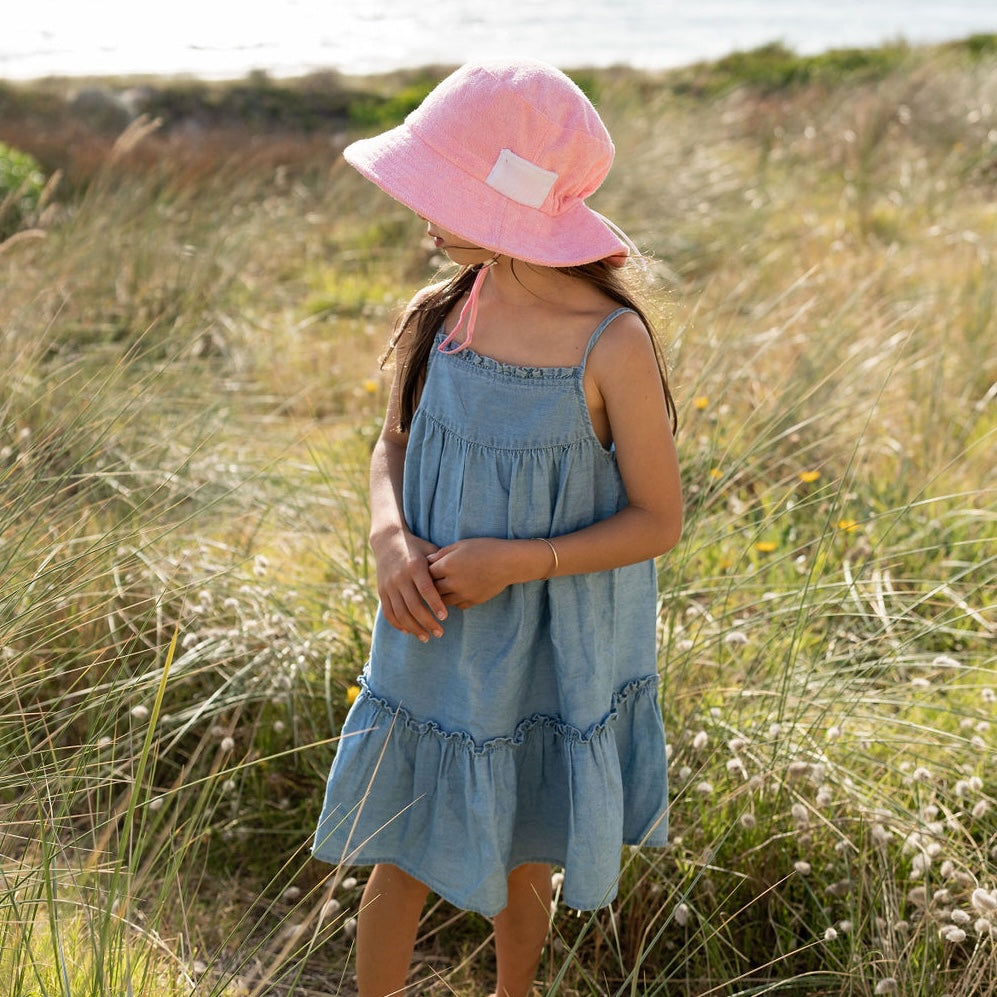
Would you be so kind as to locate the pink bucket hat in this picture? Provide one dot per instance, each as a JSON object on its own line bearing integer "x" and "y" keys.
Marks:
{"x": 502, "y": 154}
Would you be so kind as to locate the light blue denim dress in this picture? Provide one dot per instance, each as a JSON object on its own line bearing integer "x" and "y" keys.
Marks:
{"x": 531, "y": 731}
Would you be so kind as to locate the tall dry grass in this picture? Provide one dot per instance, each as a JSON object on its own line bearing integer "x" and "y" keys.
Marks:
{"x": 190, "y": 388}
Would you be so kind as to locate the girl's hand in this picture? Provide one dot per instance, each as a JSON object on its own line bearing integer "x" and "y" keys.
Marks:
{"x": 409, "y": 597}
{"x": 470, "y": 572}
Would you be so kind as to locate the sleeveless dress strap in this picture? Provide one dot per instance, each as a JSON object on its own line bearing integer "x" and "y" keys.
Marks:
{"x": 600, "y": 329}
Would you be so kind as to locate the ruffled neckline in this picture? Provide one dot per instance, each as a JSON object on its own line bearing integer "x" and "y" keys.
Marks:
{"x": 473, "y": 358}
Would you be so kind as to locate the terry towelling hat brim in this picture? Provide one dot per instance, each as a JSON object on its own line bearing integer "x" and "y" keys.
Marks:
{"x": 503, "y": 156}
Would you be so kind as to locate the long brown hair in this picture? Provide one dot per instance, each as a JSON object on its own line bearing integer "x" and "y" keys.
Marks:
{"x": 429, "y": 310}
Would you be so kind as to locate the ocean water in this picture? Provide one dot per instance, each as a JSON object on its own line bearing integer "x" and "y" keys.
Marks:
{"x": 230, "y": 38}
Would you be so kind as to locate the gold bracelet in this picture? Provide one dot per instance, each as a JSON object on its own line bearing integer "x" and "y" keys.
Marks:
{"x": 553, "y": 550}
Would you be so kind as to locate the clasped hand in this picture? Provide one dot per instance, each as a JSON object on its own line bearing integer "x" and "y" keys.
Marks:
{"x": 469, "y": 572}
{"x": 417, "y": 580}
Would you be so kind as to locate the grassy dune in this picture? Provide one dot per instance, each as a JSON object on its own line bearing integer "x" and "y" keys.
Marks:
{"x": 190, "y": 326}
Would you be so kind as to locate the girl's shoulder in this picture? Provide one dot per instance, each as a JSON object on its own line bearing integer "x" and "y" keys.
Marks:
{"x": 407, "y": 326}
{"x": 623, "y": 351}
{"x": 625, "y": 332}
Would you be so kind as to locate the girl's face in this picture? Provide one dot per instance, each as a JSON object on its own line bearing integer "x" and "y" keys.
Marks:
{"x": 460, "y": 251}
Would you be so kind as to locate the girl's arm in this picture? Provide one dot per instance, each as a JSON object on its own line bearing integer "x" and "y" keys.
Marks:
{"x": 626, "y": 388}
{"x": 409, "y": 597}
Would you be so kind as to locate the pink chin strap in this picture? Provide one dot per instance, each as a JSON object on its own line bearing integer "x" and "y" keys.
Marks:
{"x": 469, "y": 312}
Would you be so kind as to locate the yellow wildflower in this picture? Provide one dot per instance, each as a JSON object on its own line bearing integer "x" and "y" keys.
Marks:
{"x": 370, "y": 386}
{"x": 351, "y": 694}
{"x": 766, "y": 546}
{"x": 847, "y": 525}
{"x": 701, "y": 402}
{"x": 809, "y": 477}
{"x": 716, "y": 473}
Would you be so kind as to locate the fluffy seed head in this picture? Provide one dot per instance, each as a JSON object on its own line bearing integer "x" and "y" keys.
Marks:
{"x": 984, "y": 901}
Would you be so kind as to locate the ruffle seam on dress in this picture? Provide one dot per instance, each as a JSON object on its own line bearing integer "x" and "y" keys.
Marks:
{"x": 399, "y": 715}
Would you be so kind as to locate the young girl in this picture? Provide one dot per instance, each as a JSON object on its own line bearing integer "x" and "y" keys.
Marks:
{"x": 523, "y": 483}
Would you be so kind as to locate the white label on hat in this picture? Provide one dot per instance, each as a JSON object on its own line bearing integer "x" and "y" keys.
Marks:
{"x": 519, "y": 179}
